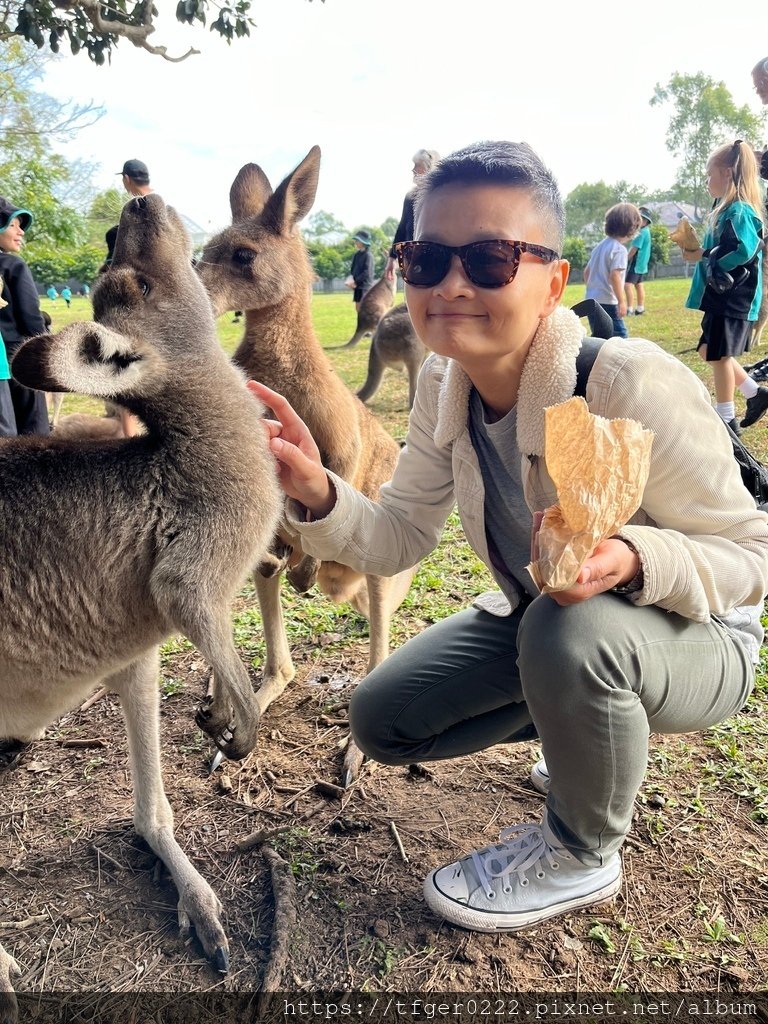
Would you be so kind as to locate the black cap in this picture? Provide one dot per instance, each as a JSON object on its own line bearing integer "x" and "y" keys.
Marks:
{"x": 646, "y": 214}
{"x": 9, "y": 212}
{"x": 137, "y": 170}
{"x": 362, "y": 236}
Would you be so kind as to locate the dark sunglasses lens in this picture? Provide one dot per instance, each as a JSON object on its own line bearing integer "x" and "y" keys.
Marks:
{"x": 492, "y": 264}
{"x": 425, "y": 264}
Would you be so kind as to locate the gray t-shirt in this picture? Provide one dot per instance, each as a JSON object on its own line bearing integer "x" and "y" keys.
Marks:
{"x": 508, "y": 519}
{"x": 607, "y": 255}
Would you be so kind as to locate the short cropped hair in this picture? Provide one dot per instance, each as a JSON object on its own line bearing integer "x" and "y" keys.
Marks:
{"x": 622, "y": 220}
{"x": 502, "y": 163}
{"x": 428, "y": 157}
{"x": 761, "y": 68}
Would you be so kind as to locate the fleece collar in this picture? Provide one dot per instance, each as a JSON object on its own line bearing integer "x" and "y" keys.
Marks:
{"x": 548, "y": 378}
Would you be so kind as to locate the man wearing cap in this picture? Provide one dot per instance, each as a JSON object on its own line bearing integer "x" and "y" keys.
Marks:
{"x": 637, "y": 267}
{"x": 136, "y": 178}
{"x": 362, "y": 266}
{"x": 135, "y": 175}
{"x": 20, "y": 318}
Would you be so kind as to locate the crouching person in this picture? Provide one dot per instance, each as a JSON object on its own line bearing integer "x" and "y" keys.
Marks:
{"x": 661, "y": 630}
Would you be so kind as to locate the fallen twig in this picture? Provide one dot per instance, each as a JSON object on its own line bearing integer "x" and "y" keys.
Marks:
{"x": 284, "y": 889}
{"x": 76, "y": 744}
{"x": 19, "y": 926}
{"x": 94, "y": 698}
{"x": 259, "y": 837}
{"x": 329, "y": 789}
{"x": 398, "y": 840}
{"x": 105, "y": 856}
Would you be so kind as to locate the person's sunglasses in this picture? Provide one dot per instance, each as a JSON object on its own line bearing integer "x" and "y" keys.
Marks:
{"x": 490, "y": 264}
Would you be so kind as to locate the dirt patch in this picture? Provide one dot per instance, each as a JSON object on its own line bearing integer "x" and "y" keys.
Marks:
{"x": 84, "y": 908}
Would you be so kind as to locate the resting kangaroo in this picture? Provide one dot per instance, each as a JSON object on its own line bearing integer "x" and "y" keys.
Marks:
{"x": 261, "y": 265}
{"x": 139, "y": 539}
{"x": 373, "y": 306}
{"x": 394, "y": 344}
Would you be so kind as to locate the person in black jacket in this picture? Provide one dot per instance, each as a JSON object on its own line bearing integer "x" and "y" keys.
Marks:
{"x": 423, "y": 161}
{"x": 20, "y": 317}
{"x": 362, "y": 266}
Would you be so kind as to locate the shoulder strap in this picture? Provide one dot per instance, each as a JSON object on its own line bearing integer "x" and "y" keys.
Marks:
{"x": 585, "y": 360}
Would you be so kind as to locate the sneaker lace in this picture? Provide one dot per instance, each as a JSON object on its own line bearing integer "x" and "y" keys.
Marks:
{"x": 527, "y": 849}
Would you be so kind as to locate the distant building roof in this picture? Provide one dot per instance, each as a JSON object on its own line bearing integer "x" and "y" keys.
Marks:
{"x": 669, "y": 213}
{"x": 198, "y": 234}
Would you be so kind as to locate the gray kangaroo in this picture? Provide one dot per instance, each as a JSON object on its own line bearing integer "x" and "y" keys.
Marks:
{"x": 139, "y": 539}
{"x": 394, "y": 344}
{"x": 261, "y": 265}
{"x": 373, "y": 306}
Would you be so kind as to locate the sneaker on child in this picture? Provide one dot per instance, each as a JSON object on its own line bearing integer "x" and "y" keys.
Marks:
{"x": 540, "y": 776}
{"x": 525, "y": 878}
{"x": 757, "y": 406}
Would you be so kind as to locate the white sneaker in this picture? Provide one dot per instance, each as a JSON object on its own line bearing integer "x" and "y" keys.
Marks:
{"x": 525, "y": 878}
{"x": 540, "y": 776}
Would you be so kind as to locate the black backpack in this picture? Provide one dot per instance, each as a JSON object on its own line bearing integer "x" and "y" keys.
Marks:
{"x": 753, "y": 472}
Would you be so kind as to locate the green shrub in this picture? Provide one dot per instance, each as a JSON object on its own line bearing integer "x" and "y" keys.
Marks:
{"x": 575, "y": 251}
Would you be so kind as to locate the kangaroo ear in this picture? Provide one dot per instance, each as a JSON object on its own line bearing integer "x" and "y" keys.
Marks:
{"x": 295, "y": 195}
{"x": 249, "y": 193}
{"x": 31, "y": 364}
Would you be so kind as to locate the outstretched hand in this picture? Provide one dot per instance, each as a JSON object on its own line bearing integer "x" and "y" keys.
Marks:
{"x": 300, "y": 470}
{"x": 612, "y": 564}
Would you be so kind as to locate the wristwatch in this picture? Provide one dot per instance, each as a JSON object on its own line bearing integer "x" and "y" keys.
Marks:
{"x": 637, "y": 581}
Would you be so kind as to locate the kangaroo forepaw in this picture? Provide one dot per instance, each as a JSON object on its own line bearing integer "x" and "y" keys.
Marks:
{"x": 234, "y": 737}
{"x": 275, "y": 560}
{"x": 199, "y": 908}
{"x": 303, "y": 576}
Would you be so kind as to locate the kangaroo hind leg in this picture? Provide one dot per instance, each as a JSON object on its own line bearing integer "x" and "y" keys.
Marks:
{"x": 198, "y": 905}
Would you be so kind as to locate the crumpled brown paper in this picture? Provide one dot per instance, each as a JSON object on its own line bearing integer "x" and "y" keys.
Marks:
{"x": 599, "y": 468}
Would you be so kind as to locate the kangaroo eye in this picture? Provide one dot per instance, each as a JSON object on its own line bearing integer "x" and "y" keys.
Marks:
{"x": 243, "y": 256}
{"x": 144, "y": 286}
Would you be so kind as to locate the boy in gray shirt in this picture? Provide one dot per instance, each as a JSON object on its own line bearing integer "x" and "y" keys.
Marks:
{"x": 604, "y": 274}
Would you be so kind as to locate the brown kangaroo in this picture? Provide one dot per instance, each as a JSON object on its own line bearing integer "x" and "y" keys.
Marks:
{"x": 394, "y": 344}
{"x": 375, "y": 303}
{"x": 141, "y": 538}
{"x": 261, "y": 265}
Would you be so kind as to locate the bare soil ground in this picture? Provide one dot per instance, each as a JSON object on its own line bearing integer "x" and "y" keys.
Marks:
{"x": 84, "y": 908}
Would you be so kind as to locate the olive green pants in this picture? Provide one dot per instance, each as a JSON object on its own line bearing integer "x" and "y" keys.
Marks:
{"x": 592, "y": 680}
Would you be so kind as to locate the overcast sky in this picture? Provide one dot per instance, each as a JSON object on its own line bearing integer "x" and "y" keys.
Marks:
{"x": 371, "y": 81}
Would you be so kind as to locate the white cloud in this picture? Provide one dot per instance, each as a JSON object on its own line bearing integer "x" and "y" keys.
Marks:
{"x": 371, "y": 82}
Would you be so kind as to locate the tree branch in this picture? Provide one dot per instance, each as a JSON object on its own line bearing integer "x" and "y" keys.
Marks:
{"x": 136, "y": 34}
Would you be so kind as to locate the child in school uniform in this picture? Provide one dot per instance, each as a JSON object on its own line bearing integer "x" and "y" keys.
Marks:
{"x": 727, "y": 280}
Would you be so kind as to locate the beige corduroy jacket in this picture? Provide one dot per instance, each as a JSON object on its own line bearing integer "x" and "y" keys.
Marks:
{"x": 702, "y": 542}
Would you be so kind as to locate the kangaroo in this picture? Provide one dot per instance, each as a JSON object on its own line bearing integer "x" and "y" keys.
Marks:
{"x": 140, "y": 538}
{"x": 373, "y": 306}
{"x": 261, "y": 265}
{"x": 394, "y": 344}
